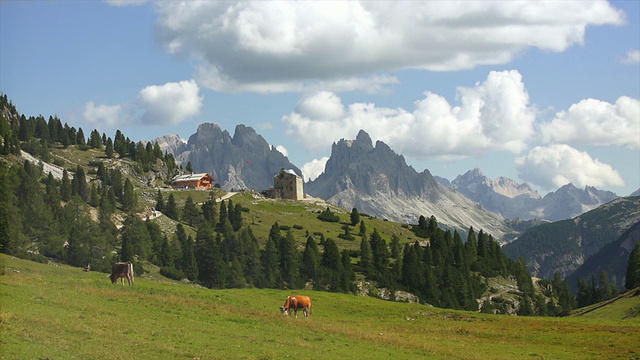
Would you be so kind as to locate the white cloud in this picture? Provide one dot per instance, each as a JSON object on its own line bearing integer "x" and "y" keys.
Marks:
{"x": 494, "y": 115}
{"x": 596, "y": 122}
{"x": 313, "y": 169}
{"x": 171, "y": 103}
{"x": 283, "y": 150}
{"x": 297, "y": 46}
{"x": 105, "y": 115}
{"x": 632, "y": 57}
{"x": 556, "y": 165}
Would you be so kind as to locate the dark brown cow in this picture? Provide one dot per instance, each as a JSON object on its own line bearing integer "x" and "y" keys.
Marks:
{"x": 122, "y": 270}
{"x": 296, "y": 302}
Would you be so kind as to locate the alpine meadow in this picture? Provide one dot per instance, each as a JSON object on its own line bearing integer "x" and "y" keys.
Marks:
{"x": 320, "y": 179}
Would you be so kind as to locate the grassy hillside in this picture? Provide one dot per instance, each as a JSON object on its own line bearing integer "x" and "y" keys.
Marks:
{"x": 53, "y": 311}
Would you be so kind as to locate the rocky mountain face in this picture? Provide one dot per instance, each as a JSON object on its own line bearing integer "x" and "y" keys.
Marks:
{"x": 519, "y": 201}
{"x": 612, "y": 259}
{"x": 378, "y": 182}
{"x": 569, "y": 201}
{"x": 171, "y": 143}
{"x": 244, "y": 161}
{"x": 565, "y": 245}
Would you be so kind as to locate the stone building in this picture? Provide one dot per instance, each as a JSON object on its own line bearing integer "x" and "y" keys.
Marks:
{"x": 288, "y": 185}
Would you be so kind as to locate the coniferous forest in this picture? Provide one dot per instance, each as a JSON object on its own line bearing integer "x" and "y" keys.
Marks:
{"x": 73, "y": 220}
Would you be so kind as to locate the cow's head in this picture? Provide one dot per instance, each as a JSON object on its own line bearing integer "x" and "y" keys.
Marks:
{"x": 284, "y": 311}
{"x": 114, "y": 278}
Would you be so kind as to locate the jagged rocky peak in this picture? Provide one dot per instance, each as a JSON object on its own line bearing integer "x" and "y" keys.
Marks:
{"x": 247, "y": 136}
{"x": 474, "y": 181}
{"x": 170, "y": 143}
{"x": 208, "y": 133}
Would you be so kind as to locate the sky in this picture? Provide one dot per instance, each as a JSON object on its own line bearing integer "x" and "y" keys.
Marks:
{"x": 543, "y": 92}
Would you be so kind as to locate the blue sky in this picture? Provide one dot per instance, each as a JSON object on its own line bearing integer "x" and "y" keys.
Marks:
{"x": 542, "y": 92}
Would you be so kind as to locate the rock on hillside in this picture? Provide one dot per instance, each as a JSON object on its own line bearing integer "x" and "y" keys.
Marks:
{"x": 377, "y": 181}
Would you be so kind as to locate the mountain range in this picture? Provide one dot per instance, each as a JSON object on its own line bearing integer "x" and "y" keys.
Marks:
{"x": 377, "y": 181}
{"x": 564, "y": 246}
{"x": 515, "y": 200}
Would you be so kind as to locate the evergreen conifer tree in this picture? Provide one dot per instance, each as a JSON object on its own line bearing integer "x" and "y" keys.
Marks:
{"x": 366, "y": 258}
{"x": 632, "y": 279}
{"x": 172, "y": 208}
{"x": 190, "y": 212}
{"x": 354, "y": 217}
{"x": 159, "y": 201}
{"x": 310, "y": 259}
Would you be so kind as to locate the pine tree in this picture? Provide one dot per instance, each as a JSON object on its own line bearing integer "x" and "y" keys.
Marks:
{"x": 395, "y": 246}
{"x": 129, "y": 197}
{"x": 172, "y": 209}
{"x": 632, "y": 279}
{"x": 94, "y": 196}
{"x": 331, "y": 264}
{"x": 363, "y": 229}
{"x": 380, "y": 256}
{"x": 79, "y": 184}
{"x": 347, "y": 277}
{"x": 366, "y": 259}
{"x": 210, "y": 212}
{"x": 289, "y": 261}
{"x": 159, "y": 201}
{"x": 190, "y": 212}
{"x": 412, "y": 273}
{"x": 189, "y": 262}
{"x": 354, "y": 217}
{"x": 310, "y": 259}
{"x": 65, "y": 186}
{"x": 108, "y": 149}
{"x": 270, "y": 266}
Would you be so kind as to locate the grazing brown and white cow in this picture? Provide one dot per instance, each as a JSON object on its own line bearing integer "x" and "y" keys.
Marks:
{"x": 122, "y": 270}
{"x": 295, "y": 302}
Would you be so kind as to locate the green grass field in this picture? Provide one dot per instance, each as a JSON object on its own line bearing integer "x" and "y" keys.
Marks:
{"x": 59, "y": 312}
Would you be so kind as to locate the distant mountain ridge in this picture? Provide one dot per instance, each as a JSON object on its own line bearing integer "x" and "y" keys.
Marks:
{"x": 612, "y": 259}
{"x": 520, "y": 201}
{"x": 563, "y": 246}
{"x": 244, "y": 161}
{"x": 377, "y": 181}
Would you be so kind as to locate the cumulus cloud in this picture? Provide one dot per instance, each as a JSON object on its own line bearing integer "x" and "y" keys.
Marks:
{"x": 313, "y": 169}
{"x": 106, "y": 115}
{"x": 169, "y": 104}
{"x": 494, "y": 115}
{"x": 556, "y": 165}
{"x": 596, "y": 122}
{"x": 293, "y": 46}
{"x": 632, "y": 57}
